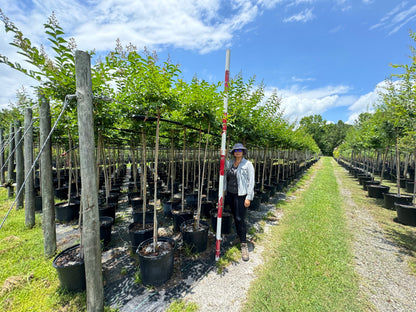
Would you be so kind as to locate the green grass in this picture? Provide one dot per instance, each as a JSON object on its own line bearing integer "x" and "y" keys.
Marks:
{"x": 310, "y": 265}
{"x": 28, "y": 280}
{"x": 182, "y": 306}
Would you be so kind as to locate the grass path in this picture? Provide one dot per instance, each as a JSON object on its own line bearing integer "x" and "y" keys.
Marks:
{"x": 309, "y": 263}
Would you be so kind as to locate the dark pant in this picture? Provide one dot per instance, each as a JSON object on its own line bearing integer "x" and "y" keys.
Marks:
{"x": 238, "y": 210}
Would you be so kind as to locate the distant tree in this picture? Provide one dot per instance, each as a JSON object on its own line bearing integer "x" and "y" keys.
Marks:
{"x": 326, "y": 135}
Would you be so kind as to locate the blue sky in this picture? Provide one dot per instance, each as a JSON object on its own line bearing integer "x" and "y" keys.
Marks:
{"x": 326, "y": 57}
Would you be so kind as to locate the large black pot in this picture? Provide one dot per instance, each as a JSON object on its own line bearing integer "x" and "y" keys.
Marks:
{"x": 406, "y": 214}
{"x": 369, "y": 182}
{"x": 196, "y": 239}
{"x": 38, "y": 203}
{"x": 108, "y": 210}
{"x": 410, "y": 186}
{"x": 62, "y": 193}
{"x": 255, "y": 203}
{"x": 179, "y": 217}
{"x": 391, "y": 198}
{"x": 206, "y": 207}
{"x": 155, "y": 270}
{"x": 170, "y": 205}
{"x": 191, "y": 199}
{"x": 138, "y": 215}
{"x": 138, "y": 234}
{"x": 226, "y": 221}
{"x": 105, "y": 229}
{"x": 72, "y": 275}
{"x": 377, "y": 191}
{"x": 65, "y": 212}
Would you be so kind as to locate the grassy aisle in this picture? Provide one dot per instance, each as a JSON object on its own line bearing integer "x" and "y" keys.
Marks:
{"x": 309, "y": 265}
{"x": 28, "y": 280}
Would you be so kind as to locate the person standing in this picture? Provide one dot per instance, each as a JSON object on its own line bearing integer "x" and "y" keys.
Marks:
{"x": 239, "y": 184}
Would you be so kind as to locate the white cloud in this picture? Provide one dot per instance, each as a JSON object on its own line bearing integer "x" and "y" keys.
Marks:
{"x": 298, "y": 79}
{"x": 304, "y": 16}
{"x": 197, "y": 25}
{"x": 394, "y": 20}
{"x": 298, "y": 102}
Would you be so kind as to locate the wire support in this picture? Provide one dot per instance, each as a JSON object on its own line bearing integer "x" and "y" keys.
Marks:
{"x": 67, "y": 99}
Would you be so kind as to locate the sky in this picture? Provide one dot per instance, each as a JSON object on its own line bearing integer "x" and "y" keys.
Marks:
{"x": 326, "y": 57}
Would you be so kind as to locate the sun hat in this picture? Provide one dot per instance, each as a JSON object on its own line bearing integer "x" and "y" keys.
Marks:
{"x": 238, "y": 146}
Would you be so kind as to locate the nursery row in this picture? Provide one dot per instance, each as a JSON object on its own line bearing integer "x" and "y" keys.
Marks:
{"x": 399, "y": 201}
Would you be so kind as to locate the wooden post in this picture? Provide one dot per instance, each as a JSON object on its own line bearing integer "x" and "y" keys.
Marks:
{"x": 19, "y": 164}
{"x": 48, "y": 198}
{"x": 10, "y": 165}
{"x": 2, "y": 146}
{"x": 89, "y": 197}
{"x": 28, "y": 161}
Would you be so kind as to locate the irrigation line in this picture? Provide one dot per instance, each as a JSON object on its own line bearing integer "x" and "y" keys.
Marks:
{"x": 17, "y": 145}
{"x": 67, "y": 99}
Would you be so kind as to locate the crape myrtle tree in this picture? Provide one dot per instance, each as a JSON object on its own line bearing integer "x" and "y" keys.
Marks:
{"x": 200, "y": 104}
{"x": 56, "y": 78}
{"x": 147, "y": 87}
{"x": 391, "y": 108}
{"x": 406, "y": 110}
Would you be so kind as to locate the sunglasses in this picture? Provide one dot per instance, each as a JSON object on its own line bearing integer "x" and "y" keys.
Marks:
{"x": 238, "y": 150}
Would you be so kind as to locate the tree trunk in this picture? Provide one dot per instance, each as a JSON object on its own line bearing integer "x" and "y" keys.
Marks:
{"x": 155, "y": 183}
{"x": 2, "y": 147}
{"x": 183, "y": 170}
{"x": 144, "y": 178}
{"x": 19, "y": 164}
{"x": 10, "y": 165}
{"x": 48, "y": 204}
{"x": 28, "y": 162}
{"x": 89, "y": 196}
{"x": 198, "y": 213}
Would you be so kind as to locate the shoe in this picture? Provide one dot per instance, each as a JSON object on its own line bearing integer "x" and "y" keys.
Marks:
{"x": 244, "y": 252}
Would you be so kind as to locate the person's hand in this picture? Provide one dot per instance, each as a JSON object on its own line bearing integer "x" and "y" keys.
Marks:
{"x": 247, "y": 203}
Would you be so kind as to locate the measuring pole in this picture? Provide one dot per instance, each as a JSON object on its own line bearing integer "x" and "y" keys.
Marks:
{"x": 222, "y": 161}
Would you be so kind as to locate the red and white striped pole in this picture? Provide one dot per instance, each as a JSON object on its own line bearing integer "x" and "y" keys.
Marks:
{"x": 222, "y": 161}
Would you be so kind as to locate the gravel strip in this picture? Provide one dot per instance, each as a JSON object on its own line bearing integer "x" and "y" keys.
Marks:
{"x": 226, "y": 292}
{"x": 385, "y": 276}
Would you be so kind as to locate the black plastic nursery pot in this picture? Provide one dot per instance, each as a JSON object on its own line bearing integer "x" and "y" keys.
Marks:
{"x": 206, "y": 207}
{"x": 410, "y": 186}
{"x": 406, "y": 214}
{"x": 170, "y": 205}
{"x": 138, "y": 234}
{"x": 38, "y": 203}
{"x": 255, "y": 203}
{"x": 72, "y": 274}
{"x": 391, "y": 198}
{"x": 138, "y": 215}
{"x": 196, "y": 239}
{"x": 191, "y": 199}
{"x": 156, "y": 269}
{"x": 65, "y": 212}
{"x": 179, "y": 217}
{"x": 377, "y": 191}
{"x": 213, "y": 195}
{"x": 271, "y": 189}
{"x": 108, "y": 210}
{"x": 226, "y": 221}
{"x": 265, "y": 195}
{"x": 363, "y": 177}
{"x": 62, "y": 193}
{"x": 105, "y": 229}
{"x": 369, "y": 182}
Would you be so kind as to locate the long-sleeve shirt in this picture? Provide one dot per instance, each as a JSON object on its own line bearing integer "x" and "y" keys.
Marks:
{"x": 245, "y": 177}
